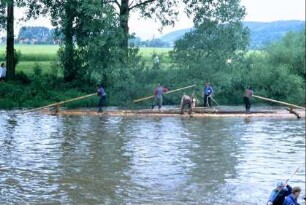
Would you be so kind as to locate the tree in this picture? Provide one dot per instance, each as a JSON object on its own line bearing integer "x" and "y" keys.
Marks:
{"x": 7, "y": 22}
{"x": 216, "y": 46}
{"x": 289, "y": 51}
{"x": 164, "y": 11}
{"x": 10, "y": 51}
{"x": 78, "y": 23}
{"x": 67, "y": 17}
{"x": 219, "y": 37}
{"x": 37, "y": 34}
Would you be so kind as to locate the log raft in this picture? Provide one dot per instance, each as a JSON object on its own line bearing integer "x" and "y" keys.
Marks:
{"x": 197, "y": 112}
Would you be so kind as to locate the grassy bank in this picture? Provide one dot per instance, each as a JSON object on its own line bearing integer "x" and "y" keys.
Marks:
{"x": 33, "y": 90}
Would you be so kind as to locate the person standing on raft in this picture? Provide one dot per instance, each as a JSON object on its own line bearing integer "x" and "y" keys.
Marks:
{"x": 102, "y": 94}
{"x": 247, "y": 96}
{"x": 158, "y": 92}
{"x": 278, "y": 195}
{"x": 208, "y": 91}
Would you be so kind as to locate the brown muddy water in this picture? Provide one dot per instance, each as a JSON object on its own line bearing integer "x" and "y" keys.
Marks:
{"x": 151, "y": 160}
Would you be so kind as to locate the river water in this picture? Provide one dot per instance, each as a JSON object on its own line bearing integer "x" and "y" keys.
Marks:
{"x": 152, "y": 160}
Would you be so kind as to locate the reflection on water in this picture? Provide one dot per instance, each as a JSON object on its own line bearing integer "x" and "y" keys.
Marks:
{"x": 115, "y": 160}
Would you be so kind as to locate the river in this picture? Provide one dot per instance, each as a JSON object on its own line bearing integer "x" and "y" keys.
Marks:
{"x": 152, "y": 160}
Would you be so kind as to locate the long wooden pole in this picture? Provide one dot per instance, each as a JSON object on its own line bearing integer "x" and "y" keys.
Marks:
{"x": 287, "y": 180}
{"x": 172, "y": 91}
{"x": 215, "y": 101}
{"x": 279, "y": 102}
{"x": 60, "y": 103}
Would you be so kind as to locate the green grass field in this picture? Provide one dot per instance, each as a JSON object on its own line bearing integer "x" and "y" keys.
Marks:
{"x": 44, "y": 55}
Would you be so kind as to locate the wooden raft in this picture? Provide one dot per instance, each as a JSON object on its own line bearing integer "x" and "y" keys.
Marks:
{"x": 198, "y": 112}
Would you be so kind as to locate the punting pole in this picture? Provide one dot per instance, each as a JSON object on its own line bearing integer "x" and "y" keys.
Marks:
{"x": 59, "y": 103}
{"x": 171, "y": 91}
{"x": 279, "y": 102}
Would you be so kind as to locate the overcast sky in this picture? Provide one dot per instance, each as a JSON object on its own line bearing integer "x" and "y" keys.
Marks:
{"x": 257, "y": 10}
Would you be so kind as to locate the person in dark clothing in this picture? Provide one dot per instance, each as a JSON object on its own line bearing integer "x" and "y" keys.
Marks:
{"x": 208, "y": 91}
{"x": 102, "y": 94}
{"x": 247, "y": 96}
{"x": 278, "y": 195}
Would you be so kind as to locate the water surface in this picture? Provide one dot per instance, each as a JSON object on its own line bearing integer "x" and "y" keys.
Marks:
{"x": 152, "y": 160}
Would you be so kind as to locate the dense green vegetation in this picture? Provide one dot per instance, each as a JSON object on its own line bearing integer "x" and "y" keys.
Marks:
{"x": 276, "y": 72}
{"x": 94, "y": 49}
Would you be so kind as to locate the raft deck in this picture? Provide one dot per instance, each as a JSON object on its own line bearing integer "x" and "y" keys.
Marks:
{"x": 197, "y": 112}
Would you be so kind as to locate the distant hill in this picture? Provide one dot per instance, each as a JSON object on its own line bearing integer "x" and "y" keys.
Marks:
{"x": 175, "y": 35}
{"x": 261, "y": 32}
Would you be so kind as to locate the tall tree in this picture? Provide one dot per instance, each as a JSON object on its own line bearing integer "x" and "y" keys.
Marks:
{"x": 64, "y": 16}
{"x": 10, "y": 51}
{"x": 216, "y": 46}
{"x": 76, "y": 22}
{"x": 7, "y": 22}
{"x": 163, "y": 10}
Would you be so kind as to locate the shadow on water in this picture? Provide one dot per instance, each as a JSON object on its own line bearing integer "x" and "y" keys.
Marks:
{"x": 170, "y": 160}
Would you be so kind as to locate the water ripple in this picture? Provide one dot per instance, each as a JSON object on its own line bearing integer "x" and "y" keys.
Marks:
{"x": 170, "y": 160}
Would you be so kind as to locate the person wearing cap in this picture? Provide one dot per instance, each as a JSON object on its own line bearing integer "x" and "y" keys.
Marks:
{"x": 158, "y": 92}
{"x": 292, "y": 198}
{"x": 208, "y": 91}
{"x": 278, "y": 195}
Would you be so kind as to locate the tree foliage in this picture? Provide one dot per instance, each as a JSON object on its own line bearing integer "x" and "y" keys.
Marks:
{"x": 290, "y": 51}
{"x": 216, "y": 45}
{"x": 36, "y": 34}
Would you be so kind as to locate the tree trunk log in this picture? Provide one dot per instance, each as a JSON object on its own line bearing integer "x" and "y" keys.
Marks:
{"x": 10, "y": 55}
{"x": 124, "y": 24}
{"x": 70, "y": 71}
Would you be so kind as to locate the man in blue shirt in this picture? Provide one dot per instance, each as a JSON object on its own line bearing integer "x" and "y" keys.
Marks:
{"x": 208, "y": 91}
{"x": 278, "y": 195}
{"x": 102, "y": 94}
{"x": 292, "y": 198}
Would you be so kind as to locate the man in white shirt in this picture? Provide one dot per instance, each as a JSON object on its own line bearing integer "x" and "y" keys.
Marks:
{"x": 2, "y": 71}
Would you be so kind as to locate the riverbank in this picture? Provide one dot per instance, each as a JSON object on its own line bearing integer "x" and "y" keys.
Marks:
{"x": 37, "y": 91}
{"x": 23, "y": 95}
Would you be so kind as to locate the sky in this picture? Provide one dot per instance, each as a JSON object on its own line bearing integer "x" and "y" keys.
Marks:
{"x": 257, "y": 10}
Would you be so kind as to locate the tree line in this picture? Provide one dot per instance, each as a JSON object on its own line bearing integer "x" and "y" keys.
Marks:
{"x": 44, "y": 35}
{"x": 96, "y": 47}
{"x": 83, "y": 22}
